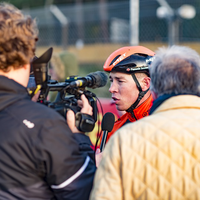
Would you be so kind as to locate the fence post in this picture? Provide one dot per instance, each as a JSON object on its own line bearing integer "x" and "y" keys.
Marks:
{"x": 134, "y": 22}
{"x": 64, "y": 23}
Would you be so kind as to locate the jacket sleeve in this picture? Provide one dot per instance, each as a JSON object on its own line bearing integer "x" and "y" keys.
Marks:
{"x": 107, "y": 183}
{"x": 85, "y": 144}
{"x": 68, "y": 169}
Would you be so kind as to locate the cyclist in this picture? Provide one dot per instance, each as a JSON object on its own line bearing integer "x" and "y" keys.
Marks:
{"x": 128, "y": 69}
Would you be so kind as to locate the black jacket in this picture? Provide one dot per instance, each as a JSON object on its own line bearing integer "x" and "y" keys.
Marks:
{"x": 40, "y": 158}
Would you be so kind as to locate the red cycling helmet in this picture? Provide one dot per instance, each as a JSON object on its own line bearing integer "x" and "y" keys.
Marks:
{"x": 129, "y": 60}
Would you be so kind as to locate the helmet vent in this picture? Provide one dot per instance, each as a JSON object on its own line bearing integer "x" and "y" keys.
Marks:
{"x": 140, "y": 54}
{"x": 114, "y": 59}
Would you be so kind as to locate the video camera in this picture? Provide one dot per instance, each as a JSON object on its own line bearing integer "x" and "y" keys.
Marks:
{"x": 68, "y": 92}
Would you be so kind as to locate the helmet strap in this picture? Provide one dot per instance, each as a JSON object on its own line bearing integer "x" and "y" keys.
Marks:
{"x": 140, "y": 96}
{"x": 137, "y": 82}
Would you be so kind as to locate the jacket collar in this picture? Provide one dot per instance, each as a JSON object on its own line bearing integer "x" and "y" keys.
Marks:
{"x": 10, "y": 92}
{"x": 178, "y": 102}
{"x": 157, "y": 102}
{"x": 142, "y": 110}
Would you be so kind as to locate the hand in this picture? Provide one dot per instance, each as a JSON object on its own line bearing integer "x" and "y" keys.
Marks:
{"x": 70, "y": 116}
{"x": 36, "y": 96}
{"x": 98, "y": 157}
{"x": 84, "y": 104}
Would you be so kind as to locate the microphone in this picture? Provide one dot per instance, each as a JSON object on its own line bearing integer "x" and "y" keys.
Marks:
{"x": 106, "y": 126}
{"x": 92, "y": 80}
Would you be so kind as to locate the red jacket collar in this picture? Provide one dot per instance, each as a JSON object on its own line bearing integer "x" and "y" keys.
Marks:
{"x": 142, "y": 110}
{"x": 139, "y": 112}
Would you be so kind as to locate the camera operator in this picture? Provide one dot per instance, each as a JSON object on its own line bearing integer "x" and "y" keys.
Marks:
{"x": 40, "y": 157}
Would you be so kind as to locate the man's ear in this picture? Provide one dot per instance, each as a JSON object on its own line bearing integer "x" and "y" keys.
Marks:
{"x": 145, "y": 83}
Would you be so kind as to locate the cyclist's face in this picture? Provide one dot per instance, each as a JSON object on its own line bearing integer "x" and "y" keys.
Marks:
{"x": 124, "y": 90}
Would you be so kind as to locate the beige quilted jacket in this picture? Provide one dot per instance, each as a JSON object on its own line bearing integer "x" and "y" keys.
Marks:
{"x": 157, "y": 157}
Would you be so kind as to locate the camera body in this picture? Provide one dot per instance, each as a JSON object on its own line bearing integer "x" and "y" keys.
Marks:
{"x": 67, "y": 96}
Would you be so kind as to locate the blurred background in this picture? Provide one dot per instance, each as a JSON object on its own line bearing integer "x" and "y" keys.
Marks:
{"x": 92, "y": 29}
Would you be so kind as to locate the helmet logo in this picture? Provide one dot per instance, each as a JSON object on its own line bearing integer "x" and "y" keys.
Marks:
{"x": 132, "y": 69}
{"x": 119, "y": 59}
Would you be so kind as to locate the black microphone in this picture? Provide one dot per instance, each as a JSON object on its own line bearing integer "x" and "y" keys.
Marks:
{"x": 106, "y": 126}
{"x": 92, "y": 80}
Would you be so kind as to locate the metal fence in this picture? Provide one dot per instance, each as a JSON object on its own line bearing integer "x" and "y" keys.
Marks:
{"x": 109, "y": 23}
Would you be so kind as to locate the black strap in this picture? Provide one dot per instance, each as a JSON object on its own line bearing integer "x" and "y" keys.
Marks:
{"x": 140, "y": 96}
{"x": 137, "y": 82}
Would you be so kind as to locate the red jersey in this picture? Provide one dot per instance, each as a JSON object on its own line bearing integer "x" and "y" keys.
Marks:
{"x": 139, "y": 112}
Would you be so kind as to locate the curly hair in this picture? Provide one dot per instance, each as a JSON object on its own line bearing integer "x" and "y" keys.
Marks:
{"x": 18, "y": 36}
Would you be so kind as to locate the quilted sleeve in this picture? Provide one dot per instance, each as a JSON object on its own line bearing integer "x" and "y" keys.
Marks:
{"x": 107, "y": 184}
